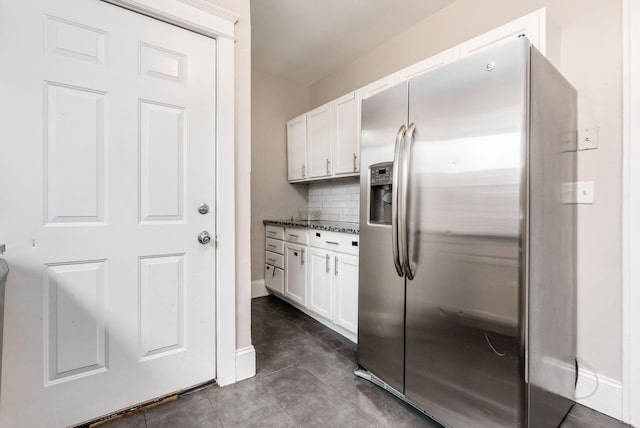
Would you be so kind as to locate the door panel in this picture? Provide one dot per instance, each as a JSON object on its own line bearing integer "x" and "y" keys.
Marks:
{"x": 296, "y": 273}
{"x": 346, "y": 292}
{"x": 381, "y": 293}
{"x": 297, "y": 147}
{"x": 463, "y": 359}
{"x": 346, "y": 134}
{"x": 319, "y": 141}
{"x": 110, "y": 125}
{"x": 320, "y": 282}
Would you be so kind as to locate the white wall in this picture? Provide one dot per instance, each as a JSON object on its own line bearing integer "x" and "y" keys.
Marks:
{"x": 275, "y": 101}
{"x": 591, "y": 60}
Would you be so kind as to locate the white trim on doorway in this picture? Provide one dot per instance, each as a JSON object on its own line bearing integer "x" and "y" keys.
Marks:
{"x": 631, "y": 213}
{"x": 217, "y": 23}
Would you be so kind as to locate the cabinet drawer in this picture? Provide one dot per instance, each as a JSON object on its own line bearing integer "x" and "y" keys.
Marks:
{"x": 299, "y": 236}
{"x": 274, "y": 278}
{"x": 274, "y": 245}
{"x": 275, "y": 232}
{"x": 274, "y": 259}
{"x": 342, "y": 242}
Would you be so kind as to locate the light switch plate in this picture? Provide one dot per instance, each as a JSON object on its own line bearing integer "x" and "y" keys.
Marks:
{"x": 585, "y": 192}
{"x": 588, "y": 139}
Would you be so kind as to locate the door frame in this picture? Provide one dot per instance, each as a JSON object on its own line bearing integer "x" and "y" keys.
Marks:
{"x": 630, "y": 212}
{"x": 207, "y": 19}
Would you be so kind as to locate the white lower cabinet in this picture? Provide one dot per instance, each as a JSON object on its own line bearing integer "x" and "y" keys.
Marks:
{"x": 274, "y": 278}
{"x": 295, "y": 273}
{"x": 333, "y": 287}
{"x": 316, "y": 271}
{"x": 320, "y": 282}
{"x": 345, "y": 290}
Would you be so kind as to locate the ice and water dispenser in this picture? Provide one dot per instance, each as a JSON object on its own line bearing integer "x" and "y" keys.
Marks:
{"x": 380, "y": 191}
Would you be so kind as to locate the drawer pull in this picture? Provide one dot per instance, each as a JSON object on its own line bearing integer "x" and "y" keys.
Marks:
{"x": 271, "y": 232}
{"x": 332, "y": 242}
{"x": 272, "y": 260}
{"x": 271, "y": 246}
{"x": 293, "y": 235}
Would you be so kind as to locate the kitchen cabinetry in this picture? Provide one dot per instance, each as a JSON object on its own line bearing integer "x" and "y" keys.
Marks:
{"x": 333, "y": 278}
{"x": 295, "y": 273}
{"x": 320, "y": 282}
{"x": 274, "y": 259}
{"x": 317, "y": 272}
{"x": 377, "y": 86}
{"x": 537, "y": 27}
{"x": 319, "y": 142}
{"x": 345, "y": 288}
{"x": 297, "y": 148}
{"x": 345, "y": 134}
{"x": 427, "y": 65}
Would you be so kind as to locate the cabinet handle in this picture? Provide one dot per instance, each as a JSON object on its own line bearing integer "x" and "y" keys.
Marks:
{"x": 328, "y": 162}
{"x": 327, "y": 262}
{"x": 302, "y": 256}
{"x": 355, "y": 162}
{"x": 293, "y": 235}
{"x": 304, "y": 171}
{"x": 271, "y": 246}
{"x": 271, "y": 232}
{"x": 272, "y": 260}
{"x": 332, "y": 242}
{"x": 335, "y": 269}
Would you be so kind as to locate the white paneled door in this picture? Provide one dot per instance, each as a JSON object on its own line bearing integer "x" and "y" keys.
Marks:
{"x": 107, "y": 151}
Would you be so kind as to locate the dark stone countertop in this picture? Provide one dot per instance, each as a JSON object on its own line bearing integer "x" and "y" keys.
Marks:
{"x": 331, "y": 226}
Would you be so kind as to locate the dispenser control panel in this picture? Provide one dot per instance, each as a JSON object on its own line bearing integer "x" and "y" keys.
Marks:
{"x": 381, "y": 174}
{"x": 380, "y": 193}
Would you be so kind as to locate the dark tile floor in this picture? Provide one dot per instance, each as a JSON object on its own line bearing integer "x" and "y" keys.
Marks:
{"x": 305, "y": 379}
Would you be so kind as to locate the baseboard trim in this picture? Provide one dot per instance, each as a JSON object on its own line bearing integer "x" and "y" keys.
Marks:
{"x": 258, "y": 289}
{"x": 245, "y": 363}
{"x": 600, "y": 393}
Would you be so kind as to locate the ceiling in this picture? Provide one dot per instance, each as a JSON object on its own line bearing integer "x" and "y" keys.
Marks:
{"x": 305, "y": 40}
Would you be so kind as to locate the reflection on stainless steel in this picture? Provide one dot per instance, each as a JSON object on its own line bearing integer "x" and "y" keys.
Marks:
{"x": 381, "y": 291}
{"x": 481, "y": 330}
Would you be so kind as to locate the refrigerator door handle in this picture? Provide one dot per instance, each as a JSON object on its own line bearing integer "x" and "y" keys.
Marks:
{"x": 403, "y": 225}
{"x": 394, "y": 199}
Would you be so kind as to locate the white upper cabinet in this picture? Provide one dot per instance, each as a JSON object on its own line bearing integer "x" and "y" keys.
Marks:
{"x": 297, "y": 147}
{"x": 377, "y": 86}
{"x": 427, "y": 64}
{"x": 325, "y": 142}
{"x": 537, "y": 27}
{"x": 319, "y": 141}
{"x": 345, "y": 141}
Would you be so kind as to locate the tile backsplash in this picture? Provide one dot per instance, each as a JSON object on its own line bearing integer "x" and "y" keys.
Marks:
{"x": 338, "y": 201}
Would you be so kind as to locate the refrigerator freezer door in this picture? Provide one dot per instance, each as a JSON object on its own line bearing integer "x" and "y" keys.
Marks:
{"x": 464, "y": 214}
{"x": 381, "y": 291}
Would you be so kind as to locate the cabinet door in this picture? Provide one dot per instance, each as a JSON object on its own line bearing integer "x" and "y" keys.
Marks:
{"x": 273, "y": 278}
{"x": 427, "y": 65}
{"x": 320, "y": 282}
{"x": 377, "y": 86}
{"x": 346, "y": 291}
{"x": 526, "y": 26}
{"x": 346, "y": 134}
{"x": 295, "y": 273}
{"x": 297, "y": 147}
{"x": 319, "y": 141}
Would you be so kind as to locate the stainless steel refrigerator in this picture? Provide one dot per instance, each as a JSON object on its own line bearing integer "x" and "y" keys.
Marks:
{"x": 467, "y": 301}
